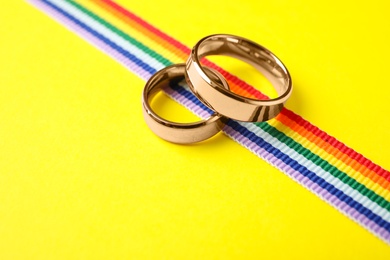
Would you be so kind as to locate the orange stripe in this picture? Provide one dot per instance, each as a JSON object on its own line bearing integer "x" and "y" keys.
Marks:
{"x": 363, "y": 166}
{"x": 362, "y": 169}
{"x": 234, "y": 85}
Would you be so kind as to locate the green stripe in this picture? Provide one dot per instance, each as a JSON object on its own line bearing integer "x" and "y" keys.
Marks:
{"x": 317, "y": 160}
{"x": 264, "y": 126}
{"x": 122, "y": 34}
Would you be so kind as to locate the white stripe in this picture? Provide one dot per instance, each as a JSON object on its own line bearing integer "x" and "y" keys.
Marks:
{"x": 118, "y": 40}
{"x": 328, "y": 177}
{"x": 357, "y": 196}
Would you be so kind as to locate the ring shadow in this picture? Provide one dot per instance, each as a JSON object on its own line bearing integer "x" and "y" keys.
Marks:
{"x": 220, "y": 139}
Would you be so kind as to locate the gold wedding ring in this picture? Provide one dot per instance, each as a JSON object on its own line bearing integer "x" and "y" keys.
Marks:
{"x": 221, "y": 99}
{"x": 182, "y": 133}
{"x": 213, "y": 90}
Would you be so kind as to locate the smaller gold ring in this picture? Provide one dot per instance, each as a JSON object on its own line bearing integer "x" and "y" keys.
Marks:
{"x": 181, "y": 133}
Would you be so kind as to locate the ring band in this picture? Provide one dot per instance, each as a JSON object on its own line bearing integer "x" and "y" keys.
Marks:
{"x": 222, "y": 100}
{"x": 182, "y": 133}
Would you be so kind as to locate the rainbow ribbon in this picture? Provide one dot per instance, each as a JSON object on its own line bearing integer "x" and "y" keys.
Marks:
{"x": 334, "y": 172}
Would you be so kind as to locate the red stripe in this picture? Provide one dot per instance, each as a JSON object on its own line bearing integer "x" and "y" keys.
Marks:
{"x": 358, "y": 158}
{"x": 178, "y": 45}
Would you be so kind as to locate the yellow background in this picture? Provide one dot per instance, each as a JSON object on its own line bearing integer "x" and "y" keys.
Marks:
{"x": 81, "y": 175}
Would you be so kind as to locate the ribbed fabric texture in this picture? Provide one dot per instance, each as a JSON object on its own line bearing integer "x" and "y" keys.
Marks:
{"x": 334, "y": 172}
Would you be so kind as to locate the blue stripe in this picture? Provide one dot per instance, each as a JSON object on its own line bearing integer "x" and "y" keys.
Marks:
{"x": 309, "y": 174}
{"x": 241, "y": 129}
{"x": 190, "y": 96}
{"x": 113, "y": 45}
{"x": 291, "y": 162}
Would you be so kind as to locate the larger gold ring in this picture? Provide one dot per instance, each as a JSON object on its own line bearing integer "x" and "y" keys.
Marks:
{"x": 222, "y": 100}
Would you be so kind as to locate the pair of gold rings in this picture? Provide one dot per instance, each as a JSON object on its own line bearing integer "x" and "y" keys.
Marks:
{"x": 212, "y": 89}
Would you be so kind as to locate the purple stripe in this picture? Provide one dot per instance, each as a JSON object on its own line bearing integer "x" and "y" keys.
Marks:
{"x": 197, "y": 110}
{"x": 73, "y": 27}
{"x": 235, "y": 135}
{"x": 306, "y": 182}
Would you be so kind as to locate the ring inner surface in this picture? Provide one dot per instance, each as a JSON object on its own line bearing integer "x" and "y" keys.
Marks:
{"x": 173, "y": 77}
{"x": 163, "y": 80}
{"x": 260, "y": 58}
{"x": 166, "y": 110}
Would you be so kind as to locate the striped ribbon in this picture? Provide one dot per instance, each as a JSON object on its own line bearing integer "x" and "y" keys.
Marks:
{"x": 334, "y": 172}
